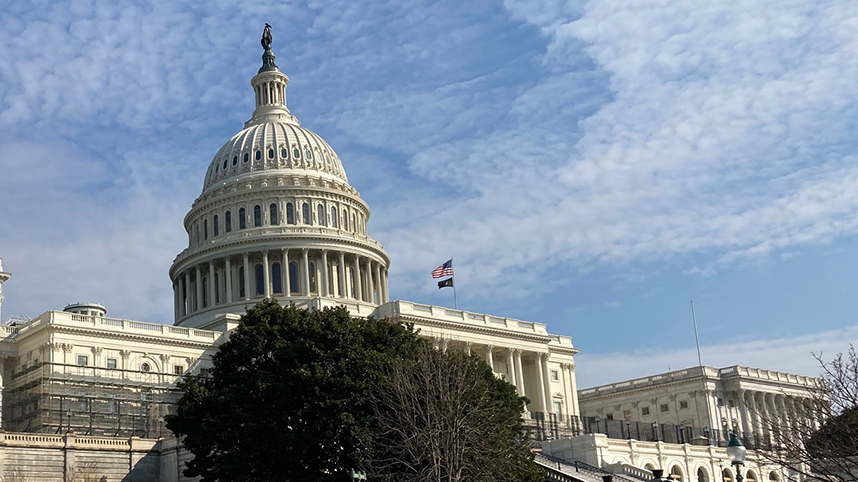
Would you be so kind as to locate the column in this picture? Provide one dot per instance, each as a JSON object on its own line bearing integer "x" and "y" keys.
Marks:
{"x": 305, "y": 271}
{"x": 378, "y": 284}
{"x": 510, "y": 366}
{"x": 541, "y": 402}
{"x": 546, "y": 382}
{"x": 198, "y": 302}
{"x": 325, "y": 274}
{"x": 246, "y": 276}
{"x": 284, "y": 273}
{"x": 489, "y": 358}
{"x": 211, "y": 284}
{"x": 341, "y": 274}
{"x": 370, "y": 285}
{"x": 184, "y": 293}
{"x": 519, "y": 373}
{"x": 356, "y": 276}
{"x": 227, "y": 277}
{"x": 266, "y": 273}
{"x": 176, "y": 297}
{"x": 781, "y": 411}
{"x": 743, "y": 411}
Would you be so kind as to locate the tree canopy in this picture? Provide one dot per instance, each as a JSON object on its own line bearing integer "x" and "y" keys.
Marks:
{"x": 289, "y": 396}
{"x": 300, "y": 395}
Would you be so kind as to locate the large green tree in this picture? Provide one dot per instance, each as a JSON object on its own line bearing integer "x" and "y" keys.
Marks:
{"x": 290, "y": 395}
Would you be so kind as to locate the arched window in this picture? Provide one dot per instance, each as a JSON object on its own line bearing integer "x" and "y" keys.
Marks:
{"x": 145, "y": 367}
{"x": 205, "y": 229}
{"x": 276, "y": 278}
{"x": 290, "y": 213}
{"x": 242, "y": 219}
{"x": 258, "y": 155}
{"x": 227, "y": 218}
{"x": 345, "y": 220}
{"x": 272, "y": 214}
{"x": 215, "y": 227}
{"x": 216, "y": 289}
{"x": 284, "y": 153}
{"x": 197, "y": 232}
{"x": 217, "y": 168}
{"x": 773, "y": 476}
{"x": 224, "y": 164}
{"x": 260, "y": 280}
{"x": 234, "y": 160}
{"x": 354, "y": 226}
{"x": 320, "y": 214}
{"x": 676, "y": 473}
{"x": 205, "y": 291}
{"x": 257, "y": 216}
{"x": 296, "y": 153}
{"x": 293, "y": 277}
{"x": 727, "y": 475}
{"x": 308, "y": 154}
{"x": 313, "y": 288}
{"x": 305, "y": 214}
{"x": 751, "y": 476}
{"x": 702, "y": 475}
{"x": 246, "y": 157}
{"x": 333, "y": 216}
{"x": 649, "y": 467}
{"x": 271, "y": 153}
{"x": 241, "y": 281}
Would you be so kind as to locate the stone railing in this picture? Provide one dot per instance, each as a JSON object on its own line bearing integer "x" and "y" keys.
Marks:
{"x": 768, "y": 375}
{"x": 408, "y": 308}
{"x": 101, "y": 323}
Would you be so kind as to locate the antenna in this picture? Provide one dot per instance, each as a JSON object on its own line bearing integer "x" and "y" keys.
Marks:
{"x": 696, "y": 337}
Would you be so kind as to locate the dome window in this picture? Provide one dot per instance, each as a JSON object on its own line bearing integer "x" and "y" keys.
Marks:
{"x": 205, "y": 229}
{"x": 276, "y": 279}
{"x": 215, "y": 228}
{"x": 145, "y": 367}
{"x": 284, "y": 153}
{"x": 296, "y": 153}
{"x": 224, "y": 164}
{"x": 293, "y": 277}
{"x": 258, "y": 155}
{"x": 257, "y": 216}
{"x": 227, "y": 221}
{"x": 308, "y": 154}
{"x": 290, "y": 213}
{"x": 241, "y": 281}
{"x": 305, "y": 213}
{"x": 246, "y": 157}
{"x": 260, "y": 280}
{"x": 234, "y": 160}
{"x": 334, "y": 217}
{"x": 242, "y": 219}
{"x": 217, "y": 167}
{"x": 320, "y": 214}
{"x": 271, "y": 153}
{"x": 272, "y": 214}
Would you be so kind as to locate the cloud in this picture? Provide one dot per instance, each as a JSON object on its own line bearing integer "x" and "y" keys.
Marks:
{"x": 789, "y": 354}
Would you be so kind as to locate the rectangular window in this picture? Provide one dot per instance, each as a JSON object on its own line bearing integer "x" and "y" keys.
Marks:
{"x": 178, "y": 369}
{"x": 111, "y": 363}
{"x": 720, "y": 402}
{"x": 645, "y": 411}
{"x": 627, "y": 414}
{"x": 609, "y": 416}
{"x": 82, "y": 360}
{"x": 558, "y": 407}
{"x": 732, "y": 403}
{"x": 664, "y": 407}
{"x": 555, "y": 375}
{"x": 683, "y": 404}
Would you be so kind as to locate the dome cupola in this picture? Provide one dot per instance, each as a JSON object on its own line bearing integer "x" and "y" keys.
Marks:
{"x": 276, "y": 218}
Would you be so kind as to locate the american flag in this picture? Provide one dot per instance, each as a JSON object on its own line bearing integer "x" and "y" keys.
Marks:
{"x": 445, "y": 269}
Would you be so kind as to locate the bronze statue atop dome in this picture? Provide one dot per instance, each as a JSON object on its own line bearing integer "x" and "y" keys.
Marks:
{"x": 266, "y": 37}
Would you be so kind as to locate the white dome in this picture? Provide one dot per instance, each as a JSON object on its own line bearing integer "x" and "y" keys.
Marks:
{"x": 273, "y": 145}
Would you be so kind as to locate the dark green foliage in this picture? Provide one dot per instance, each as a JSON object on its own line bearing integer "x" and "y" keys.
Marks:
{"x": 837, "y": 438}
{"x": 289, "y": 397}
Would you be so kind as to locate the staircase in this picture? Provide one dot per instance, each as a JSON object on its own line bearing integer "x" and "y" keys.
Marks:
{"x": 559, "y": 470}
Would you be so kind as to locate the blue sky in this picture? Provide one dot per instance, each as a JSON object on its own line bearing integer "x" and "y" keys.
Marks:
{"x": 592, "y": 165}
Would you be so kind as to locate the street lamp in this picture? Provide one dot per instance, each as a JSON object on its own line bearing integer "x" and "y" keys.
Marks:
{"x": 736, "y": 454}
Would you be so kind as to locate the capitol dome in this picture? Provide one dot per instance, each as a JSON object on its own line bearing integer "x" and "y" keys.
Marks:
{"x": 276, "y": 218}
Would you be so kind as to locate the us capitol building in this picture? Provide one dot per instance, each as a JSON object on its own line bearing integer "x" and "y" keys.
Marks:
{"x": 277, "y": 218}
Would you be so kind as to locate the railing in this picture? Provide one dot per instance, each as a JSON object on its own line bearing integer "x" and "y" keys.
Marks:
{"x": 670, "y": 433}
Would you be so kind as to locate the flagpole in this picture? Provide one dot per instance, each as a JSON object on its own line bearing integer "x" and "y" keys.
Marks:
{"x": 455, "y": 298}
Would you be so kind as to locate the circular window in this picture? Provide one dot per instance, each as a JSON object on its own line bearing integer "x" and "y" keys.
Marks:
{"x": 224, "y": 163}
{"x": 271, "y": 153}
{"x": 145, "y": 367}
{"x": 246, "y": 157}
{"x": 308, "y": 154}
{"x": 234, "y": 160}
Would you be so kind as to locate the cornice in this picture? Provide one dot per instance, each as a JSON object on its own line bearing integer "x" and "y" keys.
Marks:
{"x": 116, "y": 335}
{"x": 543, "y": 339}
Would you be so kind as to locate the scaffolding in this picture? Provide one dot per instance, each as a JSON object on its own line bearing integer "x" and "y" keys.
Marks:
{"x": 58, "y": 398}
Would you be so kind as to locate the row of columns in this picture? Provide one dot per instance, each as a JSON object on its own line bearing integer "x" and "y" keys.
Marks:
{"x": 358, "y": 278}
{"x": 539, "y": 388}
{"x": 759, "y": 411}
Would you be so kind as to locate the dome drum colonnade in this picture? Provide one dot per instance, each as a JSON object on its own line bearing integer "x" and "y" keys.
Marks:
{"x": 276, "y": 218}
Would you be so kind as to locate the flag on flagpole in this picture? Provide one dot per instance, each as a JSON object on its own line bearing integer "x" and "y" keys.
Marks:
{"x": 446, "y": 283}
{"x": 445, "y": 269}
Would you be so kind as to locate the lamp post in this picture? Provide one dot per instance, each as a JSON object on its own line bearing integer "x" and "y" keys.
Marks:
{"x": 736, "y": 454}
{"x": 655, "y": 431}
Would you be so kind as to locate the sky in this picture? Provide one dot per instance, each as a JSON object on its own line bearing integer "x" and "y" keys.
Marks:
{"x": 592, "y": 165}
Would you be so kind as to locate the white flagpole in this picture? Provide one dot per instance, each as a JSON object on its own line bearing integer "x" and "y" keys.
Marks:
{"x": 455, "y": 299}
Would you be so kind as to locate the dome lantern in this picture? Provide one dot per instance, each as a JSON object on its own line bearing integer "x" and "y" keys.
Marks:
{"x": 269, "y": 87}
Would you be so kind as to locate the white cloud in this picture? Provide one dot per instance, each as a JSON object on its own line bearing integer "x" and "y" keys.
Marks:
{"x": 790, "y": 355}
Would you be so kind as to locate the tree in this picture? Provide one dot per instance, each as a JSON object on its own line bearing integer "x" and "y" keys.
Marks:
{"x": 830, "y": 452}
{"x": 289, "y": 398}
{"x": 443, "y": 416}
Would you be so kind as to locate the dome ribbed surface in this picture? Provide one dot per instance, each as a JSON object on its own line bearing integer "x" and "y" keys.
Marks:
{"x": 274, "y": 146}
